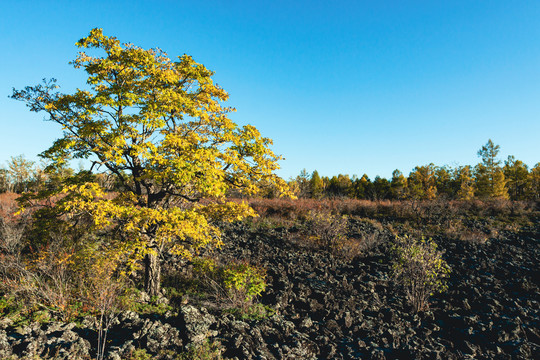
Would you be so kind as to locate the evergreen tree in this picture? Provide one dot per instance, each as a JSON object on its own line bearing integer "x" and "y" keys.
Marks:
{"x": 381, "y": 188}
{"x": 398, "y": 185}
{"x": 326, "y": 182}
{"x": 489, "y": 153}
{"x": 533, "y": 183}
{"x": 303, "y": 183}
{"x": 4, "y": 180}
{"x": 357, "y": 190}
{"x": 516, "y": 174}
{"x": 466, "y": 183}
{"x": 21, "y": 173}
{"x": 339, "y": 186}
{"x": 499, "y": 185}
{"x": 443, "y": 182}
{"x": 422, "y": 184}
{"x": 316, "y": 185}
{"x": 490, "y": 181}
{"x": 367, "y": 186}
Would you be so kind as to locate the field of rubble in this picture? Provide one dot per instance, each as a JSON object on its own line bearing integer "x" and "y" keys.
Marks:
{"x": 321, "y": 304}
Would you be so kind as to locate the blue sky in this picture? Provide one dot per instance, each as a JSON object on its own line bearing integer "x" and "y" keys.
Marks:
{"x": 348, "y": 87}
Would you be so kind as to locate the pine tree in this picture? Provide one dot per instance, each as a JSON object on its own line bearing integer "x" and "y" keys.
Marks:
{"x": 422, "y": 182}
{"x": 398, "y": 185}
{"x": 381, "y": 188}
{"x": 443, "y": 181}
{"x": 316, "y": 185}
{"x": 489, "y": 153}
{"x": 21, "y": 173}
{"x": 466, "y": 183}
{"x": 367, "y": 186}
{"x": 533, "y": 183}
{"x": 303, "y": 183}
{"x": 516, "y": 174}
{"x": 499, "y": 185}
{"x": 4, "y": 180}
{"x": 339, "y": 185}
{"x": 357, "y": 190}
{"x": 490, "y": 180}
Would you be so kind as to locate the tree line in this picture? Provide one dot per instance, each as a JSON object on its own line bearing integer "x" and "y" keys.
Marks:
{"x": 21, "y": 175}
{"x": 489, "y": 179}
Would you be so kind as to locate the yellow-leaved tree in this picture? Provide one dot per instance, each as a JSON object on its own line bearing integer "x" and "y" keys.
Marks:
{"x": 161, "y": 128}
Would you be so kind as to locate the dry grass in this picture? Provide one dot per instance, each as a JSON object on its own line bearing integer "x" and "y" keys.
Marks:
{"x": 435, "y": 210}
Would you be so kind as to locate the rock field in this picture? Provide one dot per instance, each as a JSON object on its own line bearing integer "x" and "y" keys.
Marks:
{"x": 331, "y": 308}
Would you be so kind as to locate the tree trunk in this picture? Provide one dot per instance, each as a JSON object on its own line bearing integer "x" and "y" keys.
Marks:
{"x": 152, "y": 274}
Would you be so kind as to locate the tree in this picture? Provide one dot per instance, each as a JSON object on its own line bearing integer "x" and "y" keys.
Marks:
{"x": 516, "y": 174}
{"x": 160, "y": 127}
{"x": 315, "y": 185}
{"x": 489, "y": 153}
{"x": 302, "y": 180}
{"x": 398, "y": 185}
{"x": 21, "y": 173}
{"x": 463, "y": 176}
{"x": 533, "y": 188}
{"x": 4, "y": 180}
{"x": 420, "y": 268}
{"x": 381, "y": 188}
{"x": 443, "y": 181}
{"x": 338, "y": 186}
{"x": 363, "y": 188}
{"x": 490, "y": 181}
{"x": 422, "y": 182}
{"x": 356, "y": 191}
{"x": 499, "y": 185}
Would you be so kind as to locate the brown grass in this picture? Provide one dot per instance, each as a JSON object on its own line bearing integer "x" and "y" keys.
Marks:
{"x": 404, "y": 210}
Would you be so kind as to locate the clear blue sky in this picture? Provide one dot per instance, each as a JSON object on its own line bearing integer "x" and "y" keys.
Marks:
{"x": 348, "y": 87}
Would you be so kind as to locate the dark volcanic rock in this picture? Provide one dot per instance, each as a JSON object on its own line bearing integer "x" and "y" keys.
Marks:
{"x": 352, "y": 310}
{"x": 330, "y": 308}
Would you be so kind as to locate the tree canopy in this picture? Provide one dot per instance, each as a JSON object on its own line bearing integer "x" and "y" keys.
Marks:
{"x": 161, "y": 128}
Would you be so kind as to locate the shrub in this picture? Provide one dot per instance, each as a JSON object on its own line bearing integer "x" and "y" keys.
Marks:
{"x": 458, "y": 230}
{"x": 102, "y": 289}
{"x": 326, "y": 230}
{"x": 139, "y": 354}
{"x": 43, "y": 282}
{"x": 238, "y": 282}
{"x": 205, "y": 351}
{"x": 66, "y": 281}
{"x": 420, "y": 269}
{"x": 243, "y": 282}
{"x": 12, "y": 226}
{"x": 205, "y": 279}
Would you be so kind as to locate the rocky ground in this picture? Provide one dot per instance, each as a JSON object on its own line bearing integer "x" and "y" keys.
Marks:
{"x": 331, "y": 308}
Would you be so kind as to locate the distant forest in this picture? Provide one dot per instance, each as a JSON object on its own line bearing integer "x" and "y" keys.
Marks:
{"x": 489, "y": 179}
